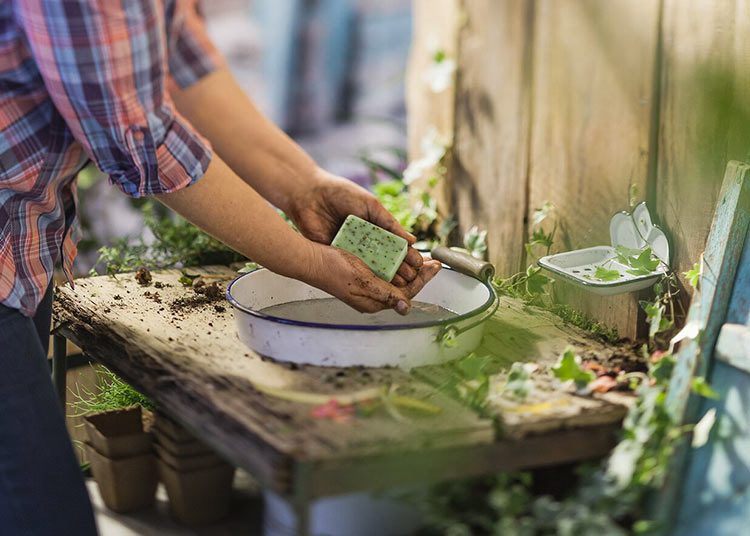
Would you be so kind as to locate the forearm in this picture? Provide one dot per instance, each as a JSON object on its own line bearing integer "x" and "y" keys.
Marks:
{"x": 253, "y": 147}
{"x": 228, "y": 209}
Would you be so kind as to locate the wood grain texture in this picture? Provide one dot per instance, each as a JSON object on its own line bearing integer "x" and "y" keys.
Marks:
{"x": 194, "y": 366}
{"x": 705, "y": 115}
{"x": 488, "y": 169}
{"x": 434, "y": 25}
{"x": 593, "y": 83}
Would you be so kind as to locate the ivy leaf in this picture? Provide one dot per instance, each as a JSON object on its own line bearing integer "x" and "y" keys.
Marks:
{"x": 661, "y": 371}
{"x": 693, "y": 275}
{"x": 475, "y": 242}
{"x": 535, "y": 280}
{"x": 539, "y": 238}
{"x": 472, "y": 366}
{"x": 249, "y": 267}
{"x": 605, "y": 274}
{"x": 624, "y": 254}
{"x": 702, "y": 429}
{"x": 568, "y": 368}
{"x": 657, "y": 322}
{"x": 519, "y": 383}
{"x": 541, "y": 214}
{"x": 702, "y": 388}
{"x": 640, "y": 261}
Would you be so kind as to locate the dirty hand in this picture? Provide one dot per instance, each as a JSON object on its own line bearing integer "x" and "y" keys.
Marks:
{"x": 319, "y": 211}
{"x": 346, "y": 277}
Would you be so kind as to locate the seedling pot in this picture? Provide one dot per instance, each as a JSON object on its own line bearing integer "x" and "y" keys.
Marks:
{"x": 188, "y": 463}
{"x": 169, "y": 427}
{"x": 192, "y": 447}
{"x": 127, "y": 484}
{"x": 118, "y": 434}
{"x": 198, "y": 497}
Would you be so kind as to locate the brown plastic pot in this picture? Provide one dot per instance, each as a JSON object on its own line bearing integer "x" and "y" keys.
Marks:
{"x": 186, "y": 448}
{"x": 169, "y": 427}
{"x": 126, "y": 485}
{"x": 188, "y": 463}
{"x": 198, "y": 497}
{"x": 118, "y": 434}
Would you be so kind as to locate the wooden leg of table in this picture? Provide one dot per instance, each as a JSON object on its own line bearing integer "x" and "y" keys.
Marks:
{"x": 59, "y": 368}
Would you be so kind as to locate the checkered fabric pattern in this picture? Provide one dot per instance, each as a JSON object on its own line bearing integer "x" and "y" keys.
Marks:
{"x": 88, "y": 80}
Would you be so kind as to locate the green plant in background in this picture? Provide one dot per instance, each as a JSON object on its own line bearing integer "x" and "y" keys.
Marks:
{"x": 606, "y": 499}
{"x": 177, "y": 242}
{"x": 113, "y": 393}
{"x": 568, "y": 369}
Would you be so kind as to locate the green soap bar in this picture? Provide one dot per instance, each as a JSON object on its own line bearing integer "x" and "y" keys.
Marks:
{"x": 381, "y": 250}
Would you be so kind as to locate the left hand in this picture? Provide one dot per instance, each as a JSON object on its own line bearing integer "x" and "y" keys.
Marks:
{"x": 320, "y": 210}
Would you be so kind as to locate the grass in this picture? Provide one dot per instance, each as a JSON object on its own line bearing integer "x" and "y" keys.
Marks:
{"x": 113, "y": 394}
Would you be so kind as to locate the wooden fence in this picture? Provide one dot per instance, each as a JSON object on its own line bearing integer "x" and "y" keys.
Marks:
{"x": 581, "y": 103}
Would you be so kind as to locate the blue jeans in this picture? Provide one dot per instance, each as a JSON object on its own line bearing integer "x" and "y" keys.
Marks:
{"x": 41, "y": 487}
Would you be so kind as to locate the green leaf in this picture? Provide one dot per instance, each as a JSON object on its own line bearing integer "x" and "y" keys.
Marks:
{"x": 702, "y": 388}
{"x": 661, "y": 371}
{"x": 655, "y": 318}
{"x": 439, "y": 56}
{"x": 568, "y": 368}
{"x": 640, "y": 261}
{"x": 535, "y": 280}
{"x": 472, "y": 366}
{"x": 475, "y": 242}
{"x": 604, "y": 274}
{"x": 542, "y": 213}
{"x": 519, "y": 383}
{"x": 693, "y": 275}
{"x": 249, "y": 267}
{"x": 624, "y": 254}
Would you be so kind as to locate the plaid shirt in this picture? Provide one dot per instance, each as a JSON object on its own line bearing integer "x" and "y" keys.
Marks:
{"x": 80, "y": 80}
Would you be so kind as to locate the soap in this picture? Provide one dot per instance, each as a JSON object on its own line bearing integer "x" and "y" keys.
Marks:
{"x": 381, "y": 250}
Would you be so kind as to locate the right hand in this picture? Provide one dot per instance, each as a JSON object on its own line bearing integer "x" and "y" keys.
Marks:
{"x": 348, "y": 278}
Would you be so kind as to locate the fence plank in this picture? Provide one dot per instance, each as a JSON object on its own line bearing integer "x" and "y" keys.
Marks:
{"x": 435, "y": 26}
{"x": 593, "y": 83}
{"x": 488, "y": 170}
{"x": 705, "y": 115}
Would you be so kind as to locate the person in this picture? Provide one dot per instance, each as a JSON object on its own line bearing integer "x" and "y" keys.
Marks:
{"x": 137, "y": 87}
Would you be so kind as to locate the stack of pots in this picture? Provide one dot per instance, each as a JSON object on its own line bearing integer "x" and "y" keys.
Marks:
{"x": 198, "y": 482}
{"x": 122, "y": 460}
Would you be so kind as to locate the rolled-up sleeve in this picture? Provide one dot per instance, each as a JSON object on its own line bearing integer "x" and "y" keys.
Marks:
{"x": 105, "y": 64}
{"x": 192, "y": 55}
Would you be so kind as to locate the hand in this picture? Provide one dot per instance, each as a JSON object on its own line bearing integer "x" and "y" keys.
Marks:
{"x": 346, "y": 277}
{"x": 319, "y": 210}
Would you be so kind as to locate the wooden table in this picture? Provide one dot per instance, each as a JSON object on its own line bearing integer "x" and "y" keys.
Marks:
{"x": 191, "y": 363}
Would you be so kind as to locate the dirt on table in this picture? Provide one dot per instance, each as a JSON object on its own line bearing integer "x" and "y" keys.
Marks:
{"x": 143, "y": 276}
{"x": 204, "y": 294}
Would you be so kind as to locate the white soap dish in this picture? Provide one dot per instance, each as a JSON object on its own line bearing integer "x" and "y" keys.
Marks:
{"x": 622, "y": 267}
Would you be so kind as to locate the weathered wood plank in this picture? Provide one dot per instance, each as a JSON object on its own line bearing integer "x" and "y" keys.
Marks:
{"x": 705, "y": 115}
{"x": 715, "y": 495}
{"x": 490, "y": 154}
{"x": 593, "y": 84}
{"x": 557, "y": 448}
{"x": 708, "y": 312}
{"x": 435, "y": 25}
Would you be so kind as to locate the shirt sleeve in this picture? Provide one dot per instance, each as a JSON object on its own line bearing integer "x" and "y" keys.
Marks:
{"x": 192, "y": 55}
{"x": 105, "y": 66}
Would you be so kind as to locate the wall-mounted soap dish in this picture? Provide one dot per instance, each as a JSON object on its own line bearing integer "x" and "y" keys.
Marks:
{"x": 637, "y": 258}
